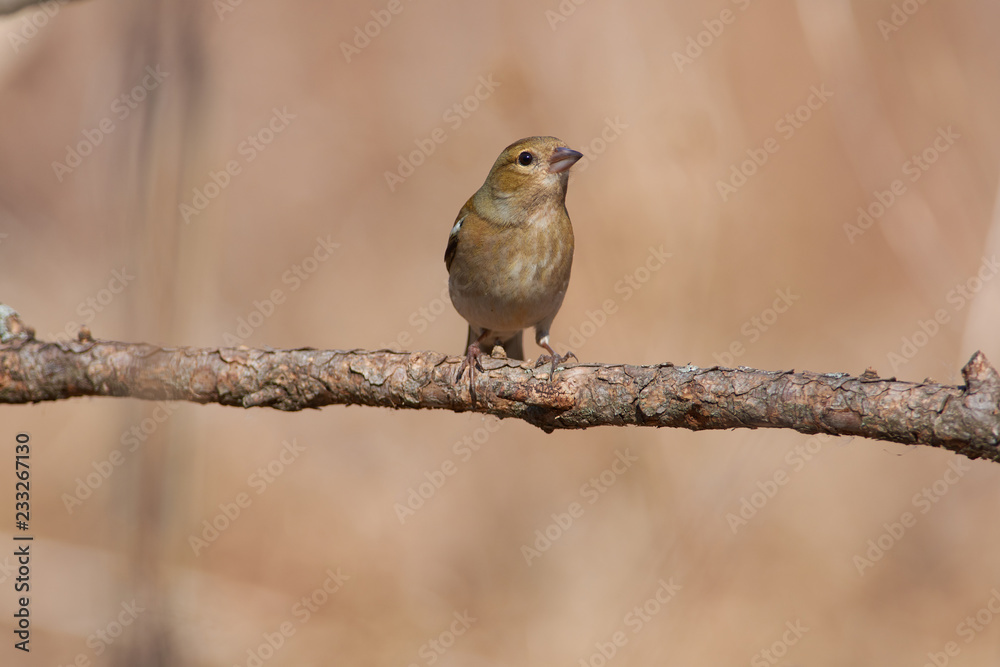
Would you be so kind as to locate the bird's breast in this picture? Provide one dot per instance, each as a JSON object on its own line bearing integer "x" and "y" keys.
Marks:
{"x": 511, "y": 278}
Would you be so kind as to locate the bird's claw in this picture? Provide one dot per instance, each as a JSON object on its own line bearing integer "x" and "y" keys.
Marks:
{"x": 471, "y": 361}
{"x": 556, "y": 359}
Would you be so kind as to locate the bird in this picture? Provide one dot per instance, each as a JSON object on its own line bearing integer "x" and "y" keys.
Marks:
{"x": 510, "y": 252}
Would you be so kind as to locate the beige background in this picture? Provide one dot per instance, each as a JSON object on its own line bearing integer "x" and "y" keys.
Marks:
{"x": 653, "y": 181}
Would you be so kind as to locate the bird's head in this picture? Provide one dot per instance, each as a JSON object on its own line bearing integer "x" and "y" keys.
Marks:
{"x": 529, "y": 173}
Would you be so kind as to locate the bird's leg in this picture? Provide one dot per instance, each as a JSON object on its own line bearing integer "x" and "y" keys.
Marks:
{"x": 552, "y": 354}
{"x": 471, "y": 358}
{"x": 471, "y": 362}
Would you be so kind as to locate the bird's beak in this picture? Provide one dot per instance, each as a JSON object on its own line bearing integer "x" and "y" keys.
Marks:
{"x": 562, "y": 159}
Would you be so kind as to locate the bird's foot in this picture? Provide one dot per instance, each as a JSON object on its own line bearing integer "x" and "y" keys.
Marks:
{"x": 471, "y": 362}
{"x": 555, "y": 358}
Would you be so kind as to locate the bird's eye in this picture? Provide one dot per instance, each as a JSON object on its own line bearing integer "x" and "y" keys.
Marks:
{"x": 525, "y": 158}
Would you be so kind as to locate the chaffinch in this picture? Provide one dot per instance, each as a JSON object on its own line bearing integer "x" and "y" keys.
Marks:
{"x": 510, "y": 251}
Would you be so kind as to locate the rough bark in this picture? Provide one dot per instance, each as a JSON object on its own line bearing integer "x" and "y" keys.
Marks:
{"x": 964, "y": 419}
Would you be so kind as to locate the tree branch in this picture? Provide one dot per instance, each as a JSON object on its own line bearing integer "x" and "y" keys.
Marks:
{"x": 964, "y": 419}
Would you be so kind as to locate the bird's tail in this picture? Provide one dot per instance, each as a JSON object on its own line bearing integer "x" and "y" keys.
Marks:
{"x": 513, "y": 346}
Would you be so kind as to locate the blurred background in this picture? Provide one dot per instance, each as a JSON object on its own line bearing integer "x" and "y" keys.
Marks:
{"x": 808, "y": 185}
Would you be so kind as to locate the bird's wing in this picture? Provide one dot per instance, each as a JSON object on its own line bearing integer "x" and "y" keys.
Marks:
{"x": 449, "y": 252}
